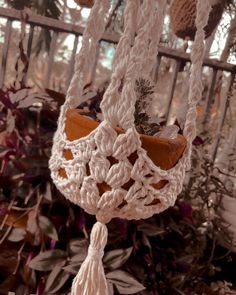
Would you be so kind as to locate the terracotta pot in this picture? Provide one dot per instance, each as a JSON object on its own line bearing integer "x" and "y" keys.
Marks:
{"x": 85, "y": 3}
{"x": 164, "y": 152}
{"x": 183, "y": 14}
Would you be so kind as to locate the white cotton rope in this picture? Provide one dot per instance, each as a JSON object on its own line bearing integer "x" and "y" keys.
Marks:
{"x": 155, "y": 36}
{"x": 86, "y": 57}
{"x": 195, "y": 89}
{"x": 112, "y": 96}
{"x": 120, "y": 111}
{"x": 90, "y": 279}
{"x": 135, "y": 56}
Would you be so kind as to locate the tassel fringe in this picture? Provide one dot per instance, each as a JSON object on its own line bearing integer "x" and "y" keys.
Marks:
{"x": 91, "y": 279}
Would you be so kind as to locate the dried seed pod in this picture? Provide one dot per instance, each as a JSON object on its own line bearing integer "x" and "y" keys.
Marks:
{"x": 183, "y": 14}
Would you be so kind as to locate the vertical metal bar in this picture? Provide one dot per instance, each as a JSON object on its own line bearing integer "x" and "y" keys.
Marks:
{"x": 158, "y": 63}
{"x": 210, "y": 96}
{"x": 232, "y": 141}
{"x": 5, "y": 51}
{"x": 72, "y": 60}
{"x": 51, "y": 58}
{"x": 93, "y": 72}
{"x": 28, "y": 52}
{"x": 224, "y": 109}
{"x": 172, "y": 87}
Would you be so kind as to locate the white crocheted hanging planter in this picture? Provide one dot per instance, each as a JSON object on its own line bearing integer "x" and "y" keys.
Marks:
{"x": 111, "y": 171}
{"x": 92, "y": 153}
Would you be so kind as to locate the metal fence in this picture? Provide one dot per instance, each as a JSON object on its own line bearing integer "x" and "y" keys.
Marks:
{"x": 177, "y": 56}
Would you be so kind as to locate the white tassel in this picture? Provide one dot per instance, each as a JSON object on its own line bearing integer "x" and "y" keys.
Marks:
{"x": 91, "y": 279}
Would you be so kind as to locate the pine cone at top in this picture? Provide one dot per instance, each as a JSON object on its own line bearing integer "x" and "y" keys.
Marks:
{"x": 183, "y": 15}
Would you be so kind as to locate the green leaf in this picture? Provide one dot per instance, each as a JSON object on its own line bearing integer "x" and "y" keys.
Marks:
{"x": 110, "y": 288}
{"x": 150, "y": 229}
{"x": 48, "y": 228}
{"x": 187, "y": 258}
{"x": 146, "y": 241}
{"x": 173, "y": 225}
{"x": 75, "y": 263}
{"x": 124, "y": 282}
{"x": 32, "y": 162}
{"x": 48, "y": 193}
{"x": 56, "y": 279}
{"x": 72, "y": 268}
{"x": 47, "y": 260}
{"x": 17, "y": 235}
{"x": 79, "y": 258}
{"x": 116, "y": 258}
{"x": 10, "y": 122}
{"x": 78, "y": 246}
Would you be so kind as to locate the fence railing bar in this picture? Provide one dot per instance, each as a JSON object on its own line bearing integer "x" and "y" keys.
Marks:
{"x": 28, "y": 51}
{"x": 51, "y": 58}
{"x": 212, "y": 63}
{"x": 156, "y": 71}
{"x": 53, "y": 24}
{"x": 210, "y": 96}
{"x": 72, "y": 60}
{"x": 5, "y": 51}
{"x": 172, "y": 87}
{"x": 224, "y": 109}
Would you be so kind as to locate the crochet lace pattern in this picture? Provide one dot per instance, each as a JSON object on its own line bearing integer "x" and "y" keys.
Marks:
{"x": 90, "y": 162}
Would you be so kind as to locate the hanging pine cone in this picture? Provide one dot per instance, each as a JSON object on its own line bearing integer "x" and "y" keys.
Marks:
{"x": 85, "y": 3}
{"x": 183, "y": 14}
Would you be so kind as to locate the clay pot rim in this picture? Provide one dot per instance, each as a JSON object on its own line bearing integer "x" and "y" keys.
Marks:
{"x": 84, "y": 119}
{"x": 145, "y": 139}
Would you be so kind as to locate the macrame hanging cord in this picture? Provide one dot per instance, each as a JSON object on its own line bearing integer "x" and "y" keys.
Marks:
{"x": 96, "y": 283}
{"x": 135, "y": 55}
{"x": 132, "y": 61}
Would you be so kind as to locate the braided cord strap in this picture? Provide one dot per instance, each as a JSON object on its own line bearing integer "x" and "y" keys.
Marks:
{"x": 118, "y": 109}
{"x": 197, "y": 56}
{"x": 155, "y": 36}
{"x": 84, "y": 62}
{"x": 127, "y": 38}
{"x": 86, "y": 57}
{"x": 112, "y": 95}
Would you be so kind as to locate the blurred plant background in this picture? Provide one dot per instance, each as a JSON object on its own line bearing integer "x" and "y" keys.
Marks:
{"x": 189, "y": 249}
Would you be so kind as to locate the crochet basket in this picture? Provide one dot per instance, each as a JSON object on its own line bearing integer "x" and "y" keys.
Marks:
{"x": 109, "y": 169}
{"x": 169, "y": 151}
{"x": 183, "y": 15}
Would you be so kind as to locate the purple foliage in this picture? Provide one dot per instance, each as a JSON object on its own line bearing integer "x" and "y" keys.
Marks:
{"x": 166, "y": 253}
